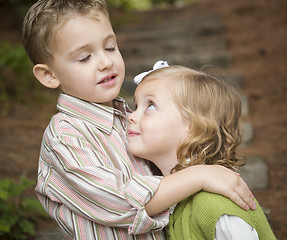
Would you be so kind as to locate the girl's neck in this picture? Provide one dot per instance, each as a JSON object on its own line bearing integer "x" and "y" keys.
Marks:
{"x": 165, "y": 164}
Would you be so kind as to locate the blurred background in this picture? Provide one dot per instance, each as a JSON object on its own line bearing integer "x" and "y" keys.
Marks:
{"x": 245, "y": 39}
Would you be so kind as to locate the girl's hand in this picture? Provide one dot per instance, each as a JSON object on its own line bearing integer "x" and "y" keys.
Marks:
{"x": 218, "y": 179}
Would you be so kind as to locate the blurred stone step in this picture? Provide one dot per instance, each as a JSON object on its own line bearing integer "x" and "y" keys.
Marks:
{"x": 248, "y": 134}
{"x": 173, "y": 46}
{"x": 255, "y": 173}
{"x": 187, "y": 28}
{"x": 220, "y": 59}
{"x": 245, "y": 105}
{"x": 51, "y": 234}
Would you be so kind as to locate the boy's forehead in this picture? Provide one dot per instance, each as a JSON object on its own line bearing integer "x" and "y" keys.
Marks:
{"x": 72, "y": 14}
{"x": 79, "y": 34}
{"x": 94, "y": 15}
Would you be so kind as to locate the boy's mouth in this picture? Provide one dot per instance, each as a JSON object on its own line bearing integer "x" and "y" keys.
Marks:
{"x": 107, "y": 79}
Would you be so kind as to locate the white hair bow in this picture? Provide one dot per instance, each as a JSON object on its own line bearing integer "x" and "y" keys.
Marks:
{"x": 157, "y": 65}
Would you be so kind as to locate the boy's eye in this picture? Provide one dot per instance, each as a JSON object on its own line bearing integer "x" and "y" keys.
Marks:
{"x": 85, "y": 59}
{"x": 111, "y": 49}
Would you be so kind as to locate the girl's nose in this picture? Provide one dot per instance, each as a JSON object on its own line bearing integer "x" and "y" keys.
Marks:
{"x": 131, "y": 117}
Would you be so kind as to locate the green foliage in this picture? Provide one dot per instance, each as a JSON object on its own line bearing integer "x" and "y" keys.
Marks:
{"x": 21, "y": 6}
{"x": 16, "y": 78}
{"x": 157, "y": 2}
{"x": 123, "y": 4}
{"x": 140, "y": 4}
{"x": 17, "y": 212}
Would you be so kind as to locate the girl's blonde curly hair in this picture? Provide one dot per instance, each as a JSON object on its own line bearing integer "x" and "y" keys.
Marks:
{"x": 213, "y": 107}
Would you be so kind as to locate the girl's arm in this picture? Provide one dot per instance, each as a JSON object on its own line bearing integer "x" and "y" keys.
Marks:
{"x": 211, "y": 178}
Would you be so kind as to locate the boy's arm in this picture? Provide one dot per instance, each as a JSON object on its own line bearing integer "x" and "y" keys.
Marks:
{"x": 211, "y": 178}
{"x": 83, "y": 179}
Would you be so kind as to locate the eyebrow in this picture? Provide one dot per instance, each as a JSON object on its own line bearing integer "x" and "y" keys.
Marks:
{"x": 77, "y": 50}
{"x": 147, "y": 95}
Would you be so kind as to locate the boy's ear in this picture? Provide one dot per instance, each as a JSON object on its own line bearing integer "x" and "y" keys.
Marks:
{"x": 45, "y": 76}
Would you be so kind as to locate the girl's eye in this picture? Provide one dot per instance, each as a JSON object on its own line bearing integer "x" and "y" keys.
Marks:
{"x": 151, "y": 106}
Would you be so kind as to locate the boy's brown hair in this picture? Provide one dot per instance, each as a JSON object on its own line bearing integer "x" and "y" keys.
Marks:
{"x": 43, "y": 18}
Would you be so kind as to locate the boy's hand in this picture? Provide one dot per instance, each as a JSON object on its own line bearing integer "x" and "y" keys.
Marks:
{"x": 211, "y": 178}
{"x": 227, "y": 183}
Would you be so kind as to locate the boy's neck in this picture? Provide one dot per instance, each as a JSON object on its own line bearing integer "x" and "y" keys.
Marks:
{"x": 109, "y": 104}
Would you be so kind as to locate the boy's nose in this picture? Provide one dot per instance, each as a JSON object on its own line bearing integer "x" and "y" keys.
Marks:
{"x": 104, "y": 62}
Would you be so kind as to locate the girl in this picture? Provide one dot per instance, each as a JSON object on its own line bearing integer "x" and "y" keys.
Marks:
{"x": 183, "y": 118}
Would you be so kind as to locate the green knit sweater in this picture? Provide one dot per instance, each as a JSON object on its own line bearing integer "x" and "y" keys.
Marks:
{"x": 196, "y": 217}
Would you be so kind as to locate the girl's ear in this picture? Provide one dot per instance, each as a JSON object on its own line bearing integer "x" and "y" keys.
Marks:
{"x": 45, "y": 76}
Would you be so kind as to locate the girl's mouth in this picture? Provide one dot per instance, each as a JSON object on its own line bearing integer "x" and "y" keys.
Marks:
{"x": 132, "y": 133}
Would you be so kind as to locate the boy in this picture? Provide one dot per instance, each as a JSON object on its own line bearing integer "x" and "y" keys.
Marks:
{"x": 87, "y": 181}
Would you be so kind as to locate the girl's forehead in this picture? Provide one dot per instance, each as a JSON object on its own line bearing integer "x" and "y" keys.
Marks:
{"x": 153, "y": 85}
{"x": 151, "y": 82}
{"x": 153, "y": 89}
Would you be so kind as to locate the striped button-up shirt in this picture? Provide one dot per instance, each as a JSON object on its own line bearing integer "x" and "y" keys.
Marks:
{"x": 88, "y": 182}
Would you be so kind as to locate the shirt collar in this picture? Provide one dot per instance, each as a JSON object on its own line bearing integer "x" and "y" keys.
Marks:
{"x": 100, "y": 115}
